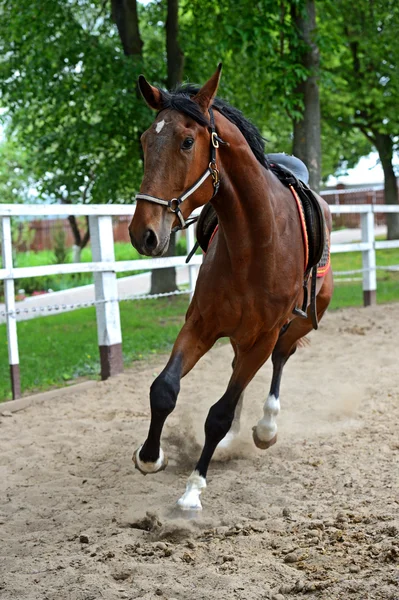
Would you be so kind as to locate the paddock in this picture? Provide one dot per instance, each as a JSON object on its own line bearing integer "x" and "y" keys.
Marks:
{"x": 316, "y": 515}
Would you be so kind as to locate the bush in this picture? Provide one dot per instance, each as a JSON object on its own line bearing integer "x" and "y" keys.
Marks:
{"x": 61, "y": 252}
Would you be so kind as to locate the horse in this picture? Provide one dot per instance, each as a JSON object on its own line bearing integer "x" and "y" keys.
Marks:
{"x": 200, "y": 149}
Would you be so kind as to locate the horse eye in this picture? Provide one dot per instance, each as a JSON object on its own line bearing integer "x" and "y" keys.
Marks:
{"x": 187, "y": 144}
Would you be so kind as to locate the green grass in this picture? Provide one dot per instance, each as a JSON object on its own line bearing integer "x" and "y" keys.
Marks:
{"x": 351, "y": 293}
{"x": 346, "y": 261}
{"x": 62, "y": 347}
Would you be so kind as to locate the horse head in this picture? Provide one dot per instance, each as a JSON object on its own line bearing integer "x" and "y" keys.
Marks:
{"x": 178, "y": 173}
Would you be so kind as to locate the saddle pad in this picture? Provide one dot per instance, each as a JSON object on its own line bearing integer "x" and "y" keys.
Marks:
{"x": 324, "y": 264}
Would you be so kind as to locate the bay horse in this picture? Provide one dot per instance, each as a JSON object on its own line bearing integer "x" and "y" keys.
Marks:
{"x": 252, "y": 275}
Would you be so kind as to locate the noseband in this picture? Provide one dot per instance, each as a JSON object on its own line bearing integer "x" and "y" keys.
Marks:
{"x": 212, "y": 170}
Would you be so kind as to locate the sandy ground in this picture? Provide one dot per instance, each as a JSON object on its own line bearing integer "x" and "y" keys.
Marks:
{"x": 315, "y": 516}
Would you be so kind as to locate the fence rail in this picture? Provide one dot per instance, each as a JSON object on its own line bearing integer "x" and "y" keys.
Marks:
{"x": 104, "y": 268}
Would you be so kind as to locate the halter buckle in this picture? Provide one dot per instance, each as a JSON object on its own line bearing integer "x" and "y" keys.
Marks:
{"x": 214, "y": 140}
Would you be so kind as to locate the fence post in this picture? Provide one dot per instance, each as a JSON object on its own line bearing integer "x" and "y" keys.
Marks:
{"x": 106, "y": 291}
{"x": 11, "y": 319}
{"x": 192, "y": 269}
{"x": 368, "y": 259}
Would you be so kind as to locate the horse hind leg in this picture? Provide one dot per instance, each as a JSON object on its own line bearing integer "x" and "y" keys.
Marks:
{"x": 235, "y": 426}
{"x": 234, "y": 430}
{"x": 265, "y": 432}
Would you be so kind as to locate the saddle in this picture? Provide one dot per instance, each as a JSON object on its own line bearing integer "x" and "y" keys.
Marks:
{"x": 294, "y": 174}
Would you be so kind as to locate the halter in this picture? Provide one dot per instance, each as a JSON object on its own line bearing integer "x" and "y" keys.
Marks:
{"x": 212, "y": 170}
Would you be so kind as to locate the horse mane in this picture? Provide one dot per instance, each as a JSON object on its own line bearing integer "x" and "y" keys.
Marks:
{"x": 180, "y": 99}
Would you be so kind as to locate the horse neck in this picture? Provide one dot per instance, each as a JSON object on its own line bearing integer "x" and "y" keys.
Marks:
{"x": 244, "y": 203}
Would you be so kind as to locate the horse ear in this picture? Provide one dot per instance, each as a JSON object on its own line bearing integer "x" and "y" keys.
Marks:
{"x": 208, "y": 91}
{"x": 151, "y": 94}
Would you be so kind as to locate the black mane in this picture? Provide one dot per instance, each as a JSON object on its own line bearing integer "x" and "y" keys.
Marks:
{"x": 180, "y": 100}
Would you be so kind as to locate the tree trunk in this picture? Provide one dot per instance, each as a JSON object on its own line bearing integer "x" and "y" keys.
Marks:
{"x": 384, "y": 145}
{"x": 175, "y": 56}
{"x": 76, "y": 253}
{"x": 164, "y": 280}
{"x": 80, "y": 242}
{"x": 307, "y": 130}
{"x": 125, "y": 17}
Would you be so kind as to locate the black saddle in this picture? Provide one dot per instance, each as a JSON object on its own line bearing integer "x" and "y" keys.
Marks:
{"x": 291, "y": 164}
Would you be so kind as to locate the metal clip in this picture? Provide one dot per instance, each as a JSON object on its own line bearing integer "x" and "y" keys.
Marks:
{"x": 214, "y": 140}
{"x": 214, "y": 172}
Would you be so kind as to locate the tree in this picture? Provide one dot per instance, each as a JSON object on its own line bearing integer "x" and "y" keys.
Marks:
{"x": 363, "y": 80}
{"x": 164, "y": 280}
{"x": 71, "y": 104}
{"x": 68, "y": 72}
{"x": 265, "y": 61}
{"x": 307, "y": 128}
{"x": 15, "y": 176}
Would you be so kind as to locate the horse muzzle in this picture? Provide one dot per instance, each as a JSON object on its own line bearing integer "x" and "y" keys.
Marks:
{"x": 149, "y": 243}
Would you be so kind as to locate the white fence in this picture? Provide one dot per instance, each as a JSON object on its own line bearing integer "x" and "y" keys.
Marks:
{"x": 104, "y": 267}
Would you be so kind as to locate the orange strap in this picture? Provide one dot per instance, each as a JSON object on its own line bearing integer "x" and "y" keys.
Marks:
{"x": 303, "y": 224}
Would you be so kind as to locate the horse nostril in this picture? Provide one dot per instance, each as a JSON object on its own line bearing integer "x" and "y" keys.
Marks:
{"x": 150, "y": 239}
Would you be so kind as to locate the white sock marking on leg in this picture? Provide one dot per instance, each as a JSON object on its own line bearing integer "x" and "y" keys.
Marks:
{"x": 191, "y": 497}
{"x": 235, "y": 426}
{"x": 266, "y": 428}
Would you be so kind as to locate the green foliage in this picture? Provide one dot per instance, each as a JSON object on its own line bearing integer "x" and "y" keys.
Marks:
{"x": 73, "y": 116}
{"x": 71, "y": 100}
{"x": 61, "y": 252}
{"x": 360, "y": 50}
{"x": 15, "y": 174}
{"x": 261, "y": 54}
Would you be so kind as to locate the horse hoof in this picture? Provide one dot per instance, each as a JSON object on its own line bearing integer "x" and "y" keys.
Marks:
{"x": 190, "y": 501}
{"x": 262, "y": 445}
{"x": 194, "y": 506}
{"x": 150, "y": 467}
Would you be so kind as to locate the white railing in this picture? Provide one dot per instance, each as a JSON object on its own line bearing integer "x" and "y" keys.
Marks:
{"x": 104, "y": 267}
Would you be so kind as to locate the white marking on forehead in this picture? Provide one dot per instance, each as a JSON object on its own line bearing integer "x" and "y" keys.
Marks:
{"x": 159, "y": 126}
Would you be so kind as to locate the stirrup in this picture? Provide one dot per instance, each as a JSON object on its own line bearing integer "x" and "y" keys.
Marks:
{"x": 301, "y": 312}
{"x": 298, "y": 312}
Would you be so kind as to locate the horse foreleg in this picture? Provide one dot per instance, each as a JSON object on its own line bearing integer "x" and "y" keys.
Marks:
{"x": 192, "y": 342}
{"x": 221, "y": 415}
{"x": 265, "y": 432}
